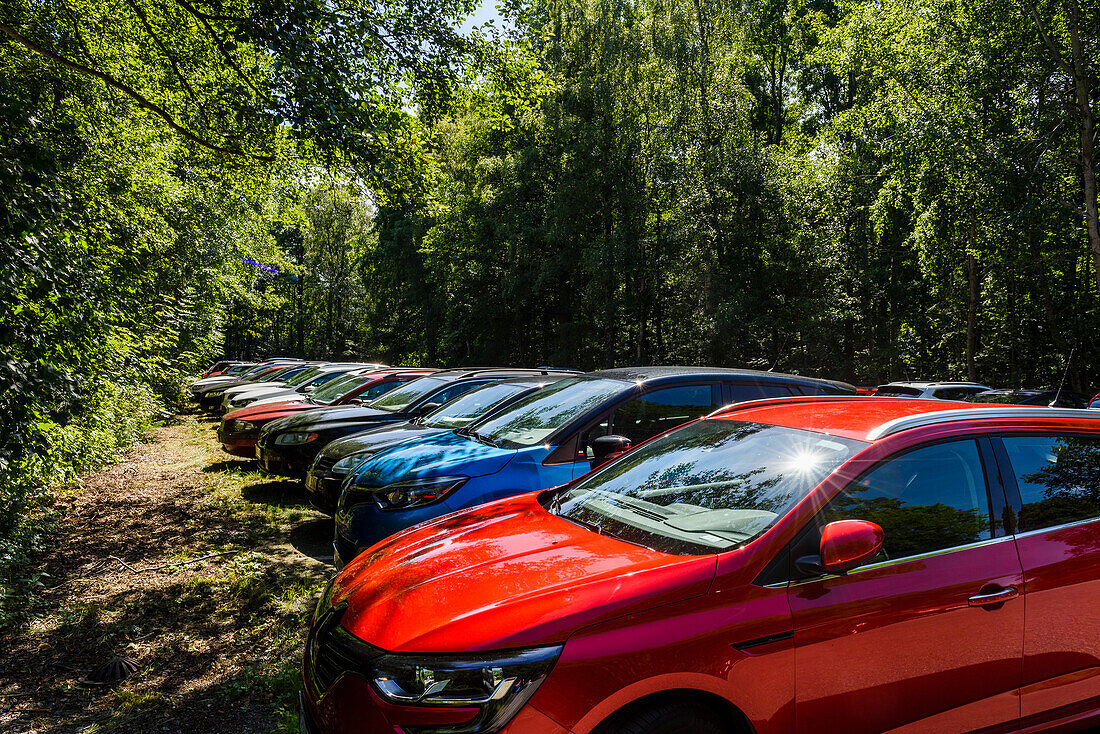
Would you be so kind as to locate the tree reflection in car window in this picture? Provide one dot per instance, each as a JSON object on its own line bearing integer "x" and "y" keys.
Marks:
{"x": 336, "y": 389}
{"x": 706, "y": 487}
{"x": 924, "y": 500}
{"x": 1058, "y": 477}
{"x": 397, "y": 400}
{"x": 534, "y": 418}
{"x": 303, "y": 376}
{"x": 657, "y": 411}
{"x": 460, "y": 411}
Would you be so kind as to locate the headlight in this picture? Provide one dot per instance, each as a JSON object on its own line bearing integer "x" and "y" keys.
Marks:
{"x": 294, "y": 439}
{"x": 497, "y": 684}
{"x": 404, "y": 495}
{"x": 242, "y": 426}
{"x": 346, "y": 464}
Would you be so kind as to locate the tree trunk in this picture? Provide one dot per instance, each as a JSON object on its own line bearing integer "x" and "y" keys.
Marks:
{"x": 1077, "y": 69}
{"x": 972, "y": 319}
{"x": 1088, "y": 131}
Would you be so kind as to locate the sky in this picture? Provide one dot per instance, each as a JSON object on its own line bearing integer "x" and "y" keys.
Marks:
{"x": 487, "y": 11}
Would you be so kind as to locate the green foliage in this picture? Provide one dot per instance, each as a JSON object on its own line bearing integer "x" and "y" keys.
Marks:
{"x": 867, "y": 191}
{"x": 111, "y": 419}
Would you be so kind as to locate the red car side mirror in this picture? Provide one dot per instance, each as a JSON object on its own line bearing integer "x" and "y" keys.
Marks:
{"x": 846, "y": 544}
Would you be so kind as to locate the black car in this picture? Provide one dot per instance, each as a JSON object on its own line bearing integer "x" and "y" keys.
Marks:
{"x": 1024, "y": 396}
{"x": 339, "y": 457}
{"x": 288, "y": 446}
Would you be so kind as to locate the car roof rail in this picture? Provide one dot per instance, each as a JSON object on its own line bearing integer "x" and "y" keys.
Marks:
{"x": 905, "y": 423}
{"x": 765, "y": 402}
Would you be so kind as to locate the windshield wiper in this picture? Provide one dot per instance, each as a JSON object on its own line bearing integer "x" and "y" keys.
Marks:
{"x": 484, "y": 439}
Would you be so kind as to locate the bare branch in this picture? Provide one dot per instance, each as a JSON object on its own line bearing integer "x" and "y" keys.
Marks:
{"x": 130, "y": 92}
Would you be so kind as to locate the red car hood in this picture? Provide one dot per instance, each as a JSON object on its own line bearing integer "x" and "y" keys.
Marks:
{"x": 270, "y": 411}
{"x": 507, "y": 574}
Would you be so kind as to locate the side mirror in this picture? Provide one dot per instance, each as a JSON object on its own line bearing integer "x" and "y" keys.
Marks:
{"x": 425, "y": 409}
{"x": 355, "y": 401}
{"x": 845, "y": 544}
{"x": 308, "y": 388}
{"x": 606, "y": 448}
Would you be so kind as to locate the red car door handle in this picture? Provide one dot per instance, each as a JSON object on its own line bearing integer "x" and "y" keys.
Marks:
{"x": 993, "y": 596}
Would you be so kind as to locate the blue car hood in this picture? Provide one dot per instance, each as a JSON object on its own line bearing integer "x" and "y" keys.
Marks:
{"x": 435, "y": 455}
{"x": 376, "y": 439}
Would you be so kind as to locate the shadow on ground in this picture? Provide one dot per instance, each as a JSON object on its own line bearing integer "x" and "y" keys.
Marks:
{"x": 313, "y": 538}
{"x": 280, "y": 493}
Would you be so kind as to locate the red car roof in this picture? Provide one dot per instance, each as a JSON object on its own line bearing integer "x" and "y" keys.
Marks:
{"x": 849, "y": 417}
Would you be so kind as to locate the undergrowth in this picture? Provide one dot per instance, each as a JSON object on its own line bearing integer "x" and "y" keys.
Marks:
{"x": 112, "y": 419}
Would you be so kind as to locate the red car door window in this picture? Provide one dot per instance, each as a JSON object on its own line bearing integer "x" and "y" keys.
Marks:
{"x": 1058, "y": 481}
{"x": 928, "y": 635}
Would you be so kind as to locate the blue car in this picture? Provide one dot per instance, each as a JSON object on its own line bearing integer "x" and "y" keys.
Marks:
{"x": 543, "y": 440}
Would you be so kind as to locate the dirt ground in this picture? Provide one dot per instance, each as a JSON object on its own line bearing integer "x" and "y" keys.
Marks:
{"x": 200, "y": 569}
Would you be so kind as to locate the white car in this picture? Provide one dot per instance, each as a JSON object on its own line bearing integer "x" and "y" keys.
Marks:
{"x": 930, "y": 390}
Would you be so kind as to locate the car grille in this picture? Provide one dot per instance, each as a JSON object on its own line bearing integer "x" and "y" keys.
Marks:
{"x": 335, "y": 652}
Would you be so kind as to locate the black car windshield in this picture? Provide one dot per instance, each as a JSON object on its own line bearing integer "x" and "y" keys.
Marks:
{"x": 534, "y": 418}
{"x": 397, "y": 400}
{"x": 303, "y": 377}
{"x": 479, "y": 401}
{"x": 705, "y": 488}
{"x": 338, "y": 388}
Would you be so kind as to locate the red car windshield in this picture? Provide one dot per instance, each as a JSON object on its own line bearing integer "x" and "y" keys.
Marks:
{"x": 704, "y": 488}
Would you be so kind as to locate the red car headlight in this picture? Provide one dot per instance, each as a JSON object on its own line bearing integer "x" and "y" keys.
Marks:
{"x": 497, "y": 684}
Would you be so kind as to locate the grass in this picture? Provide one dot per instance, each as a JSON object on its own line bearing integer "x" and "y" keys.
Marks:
{"x": 216, "y": 612}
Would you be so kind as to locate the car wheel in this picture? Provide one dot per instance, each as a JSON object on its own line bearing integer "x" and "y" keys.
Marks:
{"x": 672, "y": 718}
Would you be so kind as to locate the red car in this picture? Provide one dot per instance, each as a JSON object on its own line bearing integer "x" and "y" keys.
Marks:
{"x": 807, "y": 564}
{"x": 240, "y": 428}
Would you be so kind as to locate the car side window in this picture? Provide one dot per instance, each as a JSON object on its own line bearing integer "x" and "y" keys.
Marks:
{"x": 927, "y": 499}
{"x": 955, "y": 393}
{"x": 657, "y": 411}
{"x": 1058, "y": 478}
{"x": 453, "y": 391}
{"x": 740, "y": 392}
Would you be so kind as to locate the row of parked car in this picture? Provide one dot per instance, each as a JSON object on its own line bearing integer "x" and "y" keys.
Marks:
{"x": 544, "y": 551}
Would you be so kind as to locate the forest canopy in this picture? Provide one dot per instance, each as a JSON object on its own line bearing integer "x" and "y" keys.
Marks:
{"x": 850, "y": 189}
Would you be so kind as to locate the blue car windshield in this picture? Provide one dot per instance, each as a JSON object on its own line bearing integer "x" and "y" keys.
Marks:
{"x": 397, "y": 400}
{"x": 704, "y": 488}
{"x": 479, "y": 401}
{"x": 536, "y": 417}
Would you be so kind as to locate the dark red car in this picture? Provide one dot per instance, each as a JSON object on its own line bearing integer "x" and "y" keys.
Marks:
{"x": 813, "y": 564}
{"x": 240, "y": 428}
